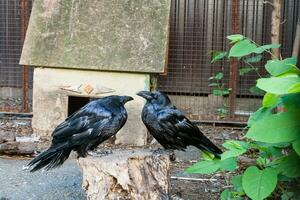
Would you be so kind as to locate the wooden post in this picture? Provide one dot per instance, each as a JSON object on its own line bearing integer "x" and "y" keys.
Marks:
{"x": 126, "y": 174}
{"x": 275, "y": 24}
{"x": 297, "y": 40}
{"x": 24, "y": 4}
{"x": 235, "y": 27}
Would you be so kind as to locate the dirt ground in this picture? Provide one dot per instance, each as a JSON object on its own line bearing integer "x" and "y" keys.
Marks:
{"x": 183, "y": 186}
{"x": 197, "y": 186}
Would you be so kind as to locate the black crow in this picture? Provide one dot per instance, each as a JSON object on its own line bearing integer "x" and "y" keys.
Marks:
{"x": 170, "y": 127}
{"x": 84, "y": 130}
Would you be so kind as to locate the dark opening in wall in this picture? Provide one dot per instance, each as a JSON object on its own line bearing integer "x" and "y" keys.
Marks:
{"x": 75, "y": 103}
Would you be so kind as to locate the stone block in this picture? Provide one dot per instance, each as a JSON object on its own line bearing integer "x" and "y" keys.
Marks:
{"x": 17, "y": 148}
{"x": 7, "y": 136}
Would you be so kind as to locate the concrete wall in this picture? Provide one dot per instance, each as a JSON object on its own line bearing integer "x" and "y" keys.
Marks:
{"x": 53, "y": 86}
{"x": 113, "y": 35}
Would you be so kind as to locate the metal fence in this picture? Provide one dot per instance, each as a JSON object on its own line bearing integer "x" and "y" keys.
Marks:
{"x": 15, "y": 80}
{"x": 198, "y": 27}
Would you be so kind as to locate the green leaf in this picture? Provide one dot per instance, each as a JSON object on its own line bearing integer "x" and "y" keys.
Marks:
{"x": 229, "y": 164}
{"x": 270, "y": 100}
{"x": 213, "y": 84}
{"x": 242, "y": 48}
{"x": 289, "y": 166}
{"x": 219, "y": 76}
{"x": 218, "y": 92}
{"x": 287, "y": 196}
{"x": 273, "y": 152}
{"x": 221, "y": 92}
{"x": 263, "y": 48}
{"x": 226, "y": 195}
{"x": 253, "y": 59}
{"x": 296, "y": 146}
{"x": 237, "y": 183}
{"x": 255, "y": 90}
{"x": 261, "y": 161}
{"x": 278, "y": 67}
{"x": 288, "y": 75}
{"x": 218, "y": 55}
{"x": 236, "y": 148}
{"x": 234, "y": 144}
{"x": 258, "y": 115}
{"x": 222, "y": 112}
{"x": 232, "y": 153}
{"x": 268, "y": 150}
{"x": 259, "y": 184}
{"x": 235, "y": 38}
{"x": 206, "y": 155}
{"x": 264, "y": 144}
{"x": 294, "y": 88}
{"x": 277, "y": 85}
{"x": 246, "y": 70}
{"x": 204, "y": 167}
{"x": 291, "y": 101}
{"x": 276, "y": 128}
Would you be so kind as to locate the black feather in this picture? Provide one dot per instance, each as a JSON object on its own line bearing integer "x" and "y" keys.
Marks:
{"x": 83, "y": 131}
{"x": 170, "y": 127}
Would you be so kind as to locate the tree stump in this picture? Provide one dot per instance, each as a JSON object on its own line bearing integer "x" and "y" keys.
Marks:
{"x": 126, "y": 174}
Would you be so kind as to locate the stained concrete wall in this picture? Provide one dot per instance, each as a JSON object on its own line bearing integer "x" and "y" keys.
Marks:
{"x": 115, "y": 35}
{"x": 53, "y": 86}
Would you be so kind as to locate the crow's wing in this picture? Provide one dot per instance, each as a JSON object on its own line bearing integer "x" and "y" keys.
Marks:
{"x": 181, "y": 129}
{"x": 81, "y": 123}
{"x": 172, "y": 120}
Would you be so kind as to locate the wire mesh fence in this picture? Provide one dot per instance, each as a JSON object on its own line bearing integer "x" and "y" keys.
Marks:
{"x": 15, "y": 80}
{"x": 198, "y": 27}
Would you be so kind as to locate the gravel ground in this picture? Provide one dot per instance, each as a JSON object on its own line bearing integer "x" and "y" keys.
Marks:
{"x": 61, "y": 184}
{"x": 64, "y": 183}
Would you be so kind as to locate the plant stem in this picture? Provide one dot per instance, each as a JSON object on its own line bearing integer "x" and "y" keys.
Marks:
{"x": 253, "y": 69}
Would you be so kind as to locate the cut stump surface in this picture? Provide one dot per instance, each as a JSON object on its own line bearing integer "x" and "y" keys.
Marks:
{"x": 126, "y": 174}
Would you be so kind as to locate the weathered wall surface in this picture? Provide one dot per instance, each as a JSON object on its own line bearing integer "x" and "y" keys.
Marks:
{"x": 53, "y": 86}
{"x": 118, "y": 35}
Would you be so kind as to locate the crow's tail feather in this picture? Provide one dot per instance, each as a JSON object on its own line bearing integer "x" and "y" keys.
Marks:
{"x": 206, "y": 144}
{"x": 54, "y": 157}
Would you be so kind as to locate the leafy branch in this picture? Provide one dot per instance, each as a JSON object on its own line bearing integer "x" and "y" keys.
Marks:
{"x": 273, "y": 135}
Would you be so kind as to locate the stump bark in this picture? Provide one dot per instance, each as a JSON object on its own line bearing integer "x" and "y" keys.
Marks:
{"x": 126, "y": 174}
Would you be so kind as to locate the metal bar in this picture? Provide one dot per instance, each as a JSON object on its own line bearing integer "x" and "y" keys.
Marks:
{"x": 16, "y": 114}
{"x": 235, "y": 28}
{"x": 220, "y": 122}
{"x": 25, "y": 73}
{"x": 198, "y": 29}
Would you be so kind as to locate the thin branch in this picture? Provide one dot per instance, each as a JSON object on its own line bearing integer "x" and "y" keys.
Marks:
{"x": 267, "y": 2}
{"x": 247, "y": 161}
{"x": 285, "y": 20}
{"x": 193, "y": 179}
{"x": 254, "y": 68}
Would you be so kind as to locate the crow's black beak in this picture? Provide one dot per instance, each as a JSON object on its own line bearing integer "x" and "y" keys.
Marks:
{"x": 127, "y": 98}
{"x": 145, "y": 94}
